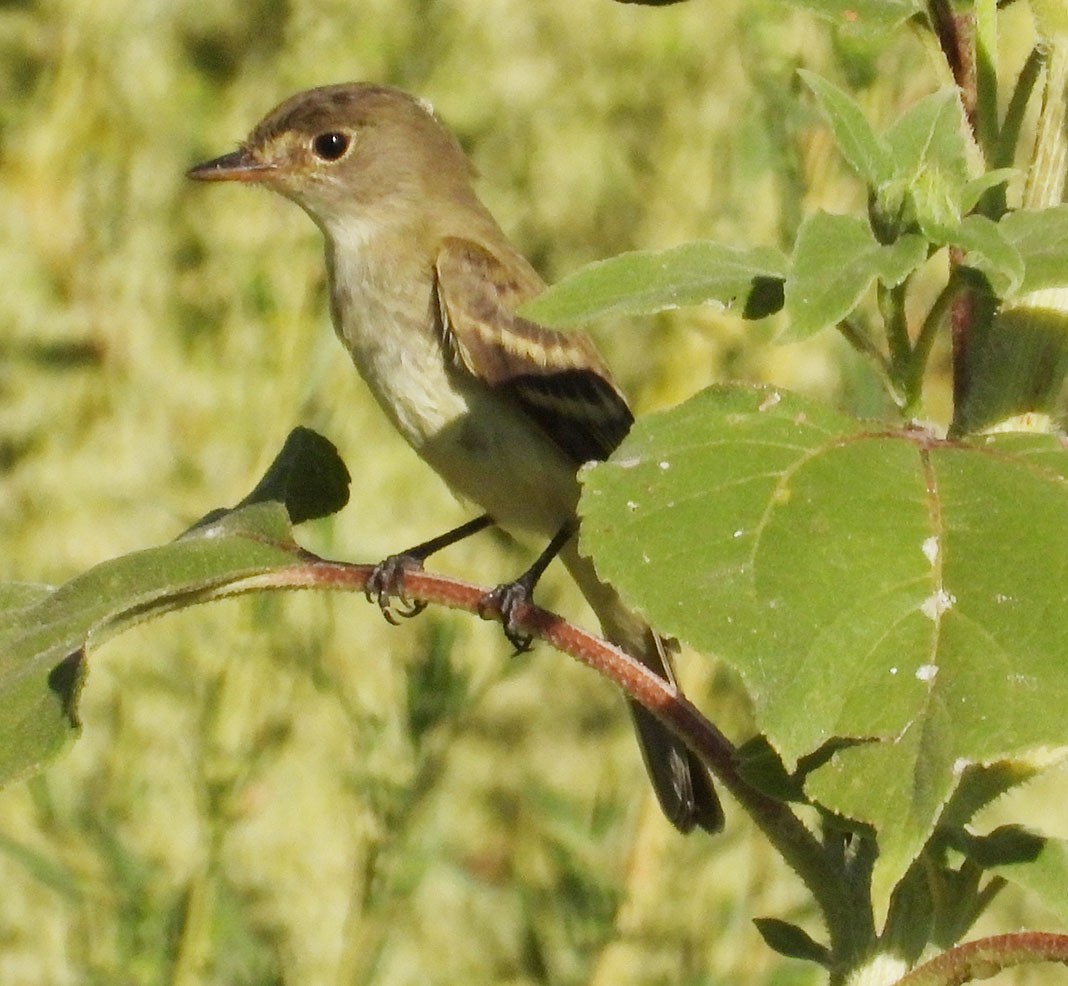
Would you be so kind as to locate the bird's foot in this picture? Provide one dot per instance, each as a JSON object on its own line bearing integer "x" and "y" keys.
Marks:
{"x": 509, "y": 603}
{"x": 386, "y": 583}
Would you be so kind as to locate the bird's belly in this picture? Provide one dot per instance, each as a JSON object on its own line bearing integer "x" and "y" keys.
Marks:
{"x": 494, "y": 456}
{"x": 480, "y": 443}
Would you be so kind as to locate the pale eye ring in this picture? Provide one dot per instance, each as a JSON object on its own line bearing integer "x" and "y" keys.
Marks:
{"x": 330, "y": 146}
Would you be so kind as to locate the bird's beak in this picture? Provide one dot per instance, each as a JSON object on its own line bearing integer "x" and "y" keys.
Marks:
{"x": 237, "y": 166}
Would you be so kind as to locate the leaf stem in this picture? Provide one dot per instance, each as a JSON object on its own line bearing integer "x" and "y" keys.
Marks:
{"x": 901, "y": 375}
{"x": 985, "y": 123}
{"x": 937, "y": 318}
{"x": 947, "y": 29}
{"x": 988, "y": 956}
{"x": 892, "y": 307}
{"x": 1009, "y": 137}
{"x": 862, "y": 343}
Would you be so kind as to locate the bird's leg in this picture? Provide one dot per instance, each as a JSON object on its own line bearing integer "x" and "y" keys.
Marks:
{"x": 508, "y": 599}
{"x": 387, "y": 578}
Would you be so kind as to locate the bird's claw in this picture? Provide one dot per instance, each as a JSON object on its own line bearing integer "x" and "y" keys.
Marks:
{"x": 507, "y": 603}
{"x": 386, "y": 583}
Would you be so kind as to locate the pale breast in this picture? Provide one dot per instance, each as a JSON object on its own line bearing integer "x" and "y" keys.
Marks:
{"x": 484, "y": 447}
{"x": 383, "y": 315}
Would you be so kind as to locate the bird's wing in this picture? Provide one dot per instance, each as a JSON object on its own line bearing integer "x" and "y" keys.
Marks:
{"x": 558, "y": 379}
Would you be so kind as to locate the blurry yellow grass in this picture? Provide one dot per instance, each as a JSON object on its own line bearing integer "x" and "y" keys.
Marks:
{"x": 246, "y": 803}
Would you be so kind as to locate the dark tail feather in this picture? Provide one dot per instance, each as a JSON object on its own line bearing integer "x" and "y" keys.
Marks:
{"x": 681, "y": 782}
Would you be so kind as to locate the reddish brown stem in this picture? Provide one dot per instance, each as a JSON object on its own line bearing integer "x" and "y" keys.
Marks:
{"x": 962, "y": 318}
{"x": 988, "y": 956}
{"x": 954, "y": 32}
{"x": 797, "y": 845}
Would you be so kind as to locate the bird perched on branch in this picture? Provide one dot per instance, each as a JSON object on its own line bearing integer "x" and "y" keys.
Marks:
{"x": 424, "y": 288}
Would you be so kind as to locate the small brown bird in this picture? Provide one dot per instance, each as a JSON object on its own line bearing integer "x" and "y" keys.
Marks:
{"x": 423, "y": 291}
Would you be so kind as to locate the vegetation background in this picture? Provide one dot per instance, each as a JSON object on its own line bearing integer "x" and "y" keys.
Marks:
{"x": 286, "y": 789}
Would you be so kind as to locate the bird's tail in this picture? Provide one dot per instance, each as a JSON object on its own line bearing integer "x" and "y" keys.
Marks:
{"x": 681, "y": 782}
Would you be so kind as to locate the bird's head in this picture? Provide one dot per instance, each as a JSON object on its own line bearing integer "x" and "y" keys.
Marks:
{"x": 347, "y": 151}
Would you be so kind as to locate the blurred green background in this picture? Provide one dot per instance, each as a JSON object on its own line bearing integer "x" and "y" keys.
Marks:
{"x": 286, "y": 789}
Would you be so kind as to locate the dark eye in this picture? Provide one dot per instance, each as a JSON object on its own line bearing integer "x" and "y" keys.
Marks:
{"x": 330, "y": 146}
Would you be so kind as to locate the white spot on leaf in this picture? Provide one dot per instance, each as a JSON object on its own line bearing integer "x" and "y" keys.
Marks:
{"x": 930, "y": 549}
{"x": 937, "y": 603}
{"x": 926, "y": 672}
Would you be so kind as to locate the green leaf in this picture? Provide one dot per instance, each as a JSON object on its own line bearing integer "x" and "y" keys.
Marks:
{"x": 1004, "y": 846}
{"x": 978, "y": 787}
{"x": 15, "y": 597}
{"x": 930, "y": 134}
{"x": 987, "y": 249}
{"x": 863, "y": 14}
{"x": 643, "y": 283}
{"x": 793, "y": 942}
{"x": 1017, "y": 364}
{"x": 867, "y": 154}
{"x": 44, "y": 633}
{"x": 1045, "y": 874}
{"x": 42, "y": 644}
{"x": 1040, "y": 236}
{"x": 762, "y": 767}
{"x": 867, "y": 583}
{"x": 836, "y": 260}
{"x": 307, "y": 477}
{"x": 930, "y": 167}
{"x": 976, "y": 188}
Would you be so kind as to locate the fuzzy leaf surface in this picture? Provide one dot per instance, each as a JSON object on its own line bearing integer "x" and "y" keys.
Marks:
{"x": 868, "y": 583}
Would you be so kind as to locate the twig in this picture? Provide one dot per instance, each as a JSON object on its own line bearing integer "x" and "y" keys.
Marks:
{"x": 800, "y": 849}
{"x": 988, "y": 956}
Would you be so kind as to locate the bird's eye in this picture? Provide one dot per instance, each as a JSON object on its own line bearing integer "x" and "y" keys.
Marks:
{"x": 330, "y": 146}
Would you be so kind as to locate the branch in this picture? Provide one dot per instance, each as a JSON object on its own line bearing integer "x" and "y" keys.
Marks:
{"x": 784, "y": 830}
{"x": 987, "y": 957}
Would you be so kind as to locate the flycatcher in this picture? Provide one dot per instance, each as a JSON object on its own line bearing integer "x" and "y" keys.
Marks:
{"x": 423, "y": 291}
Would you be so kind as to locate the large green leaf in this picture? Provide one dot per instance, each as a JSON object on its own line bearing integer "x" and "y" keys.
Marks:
{"x": 645, "y": 282}
{"x": 42, "y": 644}
{"x": 868, "y": 583}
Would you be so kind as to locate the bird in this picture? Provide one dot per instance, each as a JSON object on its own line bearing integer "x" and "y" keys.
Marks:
{"x": 424, "y": 290}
